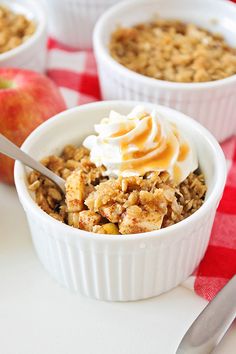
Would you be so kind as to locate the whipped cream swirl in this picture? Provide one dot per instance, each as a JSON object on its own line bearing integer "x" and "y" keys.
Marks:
{"x": 141, "y": 142}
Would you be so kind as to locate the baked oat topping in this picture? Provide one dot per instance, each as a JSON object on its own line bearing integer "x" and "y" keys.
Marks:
{"x": 15, "y": 29}
{"x": 173, "y": 51}
{"x": 123, "y": 205}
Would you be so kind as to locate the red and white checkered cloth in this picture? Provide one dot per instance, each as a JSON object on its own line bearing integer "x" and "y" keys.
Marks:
{"x": 75, "y": 73}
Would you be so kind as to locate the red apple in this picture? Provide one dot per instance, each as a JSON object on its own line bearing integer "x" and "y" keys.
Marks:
{"x": 26, "y": 100}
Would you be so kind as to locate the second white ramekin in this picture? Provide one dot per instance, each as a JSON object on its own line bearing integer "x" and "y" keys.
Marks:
{"x": 32, "y": 53}
{"x": 72, "y": 21}
{"x": 213, "y": 104}
{"x": 120, "y": 268}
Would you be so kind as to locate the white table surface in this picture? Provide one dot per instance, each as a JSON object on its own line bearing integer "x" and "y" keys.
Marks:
{"x": 37, "y": 316}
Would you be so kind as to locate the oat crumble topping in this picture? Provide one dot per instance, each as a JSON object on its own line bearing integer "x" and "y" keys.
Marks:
{"x": 105, "y": 205}
{"x": 173, "y": 51}
{"x": 15, "y": 29}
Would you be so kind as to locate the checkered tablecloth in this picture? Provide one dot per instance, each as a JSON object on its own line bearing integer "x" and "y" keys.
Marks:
{"x": 76, "y": 75}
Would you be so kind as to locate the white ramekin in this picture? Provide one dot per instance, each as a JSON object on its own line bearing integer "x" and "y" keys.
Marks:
{"x": 72, "y": 21}
{"x": 128, "y": 267}
{"x": 213, "y": 104}
{"x": 31, "y": 54}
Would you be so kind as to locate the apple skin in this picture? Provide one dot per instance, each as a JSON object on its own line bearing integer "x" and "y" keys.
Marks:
{"x": 27, "y": 99}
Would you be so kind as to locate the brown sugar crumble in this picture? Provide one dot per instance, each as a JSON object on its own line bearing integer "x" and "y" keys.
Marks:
{"x": 173, "y": 51}
{"x": 15, "y": 29}
{"x": 105, "y": 205}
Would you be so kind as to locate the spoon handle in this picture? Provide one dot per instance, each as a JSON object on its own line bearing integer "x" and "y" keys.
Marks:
{"x": 212, "y": 323}
{"x": 13, "y": 151}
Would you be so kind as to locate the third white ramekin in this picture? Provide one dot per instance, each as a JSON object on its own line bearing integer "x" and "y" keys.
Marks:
{"x": 32, "y": 53}
{"x": 72, "y": 21}
{"x": 213, "y": 104}
{"x": 122, "y": 268}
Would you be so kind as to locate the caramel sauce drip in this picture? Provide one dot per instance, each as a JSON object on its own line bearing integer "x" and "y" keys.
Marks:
{"x": 123, "y": 130}
{"x": 177, "y": 174}
{"x": 137, "y": 154}
{"x": 139, "y": 141}
{"x": 183, "y": 152}
{"x": 184, "y": 148}
{"x": 158, "y": 161}
{"x": 140, "y": 154}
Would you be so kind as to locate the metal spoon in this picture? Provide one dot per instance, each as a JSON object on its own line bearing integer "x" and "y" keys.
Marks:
{"x": 13, "y": 151}
{"x": 212, "y": 323}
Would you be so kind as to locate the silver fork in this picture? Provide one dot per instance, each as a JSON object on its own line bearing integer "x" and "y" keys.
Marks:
{"x": 212, "y": 323}
{"x": 13, "y": 151}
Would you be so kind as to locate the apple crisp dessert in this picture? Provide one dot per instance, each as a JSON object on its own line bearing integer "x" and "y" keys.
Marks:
{"x": 104, "y": 195}
{"x": 171, "y": 50}
{"x": 123, "y": 205}
{"x": 14, "y": 29}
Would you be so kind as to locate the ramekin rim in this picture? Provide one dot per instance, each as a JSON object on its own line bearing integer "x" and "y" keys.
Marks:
{"x": 40, "y": 31}
{"x": 213, "y": 198}
{"x": 101, "y": 51}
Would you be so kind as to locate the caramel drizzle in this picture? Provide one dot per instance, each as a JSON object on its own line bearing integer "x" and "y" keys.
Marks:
{"x": 177, "y": 174}
{"x": 183, "y": 152}
{"x": 159, "y": 160}
{"x": 139, "y": 141}
{"x": 123, "y": 130}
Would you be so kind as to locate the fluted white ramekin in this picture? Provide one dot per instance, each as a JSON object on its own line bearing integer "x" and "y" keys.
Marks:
{"x": 121, "y": 268}
{"x": 72, "y": 21}
{"x": 32, "y": 53}
{"x": 213, "y": 104}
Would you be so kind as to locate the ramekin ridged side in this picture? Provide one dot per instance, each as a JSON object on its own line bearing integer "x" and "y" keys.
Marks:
{"x": 72, "y": 22}
{"x": 125, "y": 271}
{"x": 213, "y": 104}
{"x": 32, "y": 53}
{"x": 124, "y": 267}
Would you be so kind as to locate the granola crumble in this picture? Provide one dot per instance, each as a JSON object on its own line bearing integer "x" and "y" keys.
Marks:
{"x": 14, "y": 29}
{"x": 173, "y": 51}
{"x": 113, "y": 206}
